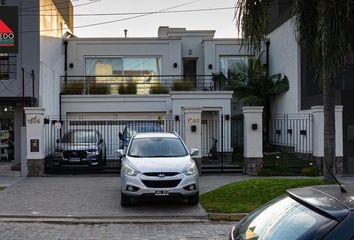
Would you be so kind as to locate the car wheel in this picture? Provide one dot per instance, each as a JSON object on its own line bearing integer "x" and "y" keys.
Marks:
{"x": 193, "y": 200}
{"x": 125, "y": 201}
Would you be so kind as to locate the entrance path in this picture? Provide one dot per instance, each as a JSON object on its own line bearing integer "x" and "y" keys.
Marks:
{"x": 93, "y": 196}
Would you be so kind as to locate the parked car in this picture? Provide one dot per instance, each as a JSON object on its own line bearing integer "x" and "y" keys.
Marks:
{"x": 158, "y": 165}
{"x": 320, "y": 212}
{"x": 81, "y": 146}
{"x": 137, "y": 127}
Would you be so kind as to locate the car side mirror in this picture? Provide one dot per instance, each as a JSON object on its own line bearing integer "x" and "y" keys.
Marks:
{"x": 120, "y": 153}
{"x": 120, "y": 136}
{"x": 57, "y": 140}
{"x": 194, "y": 152}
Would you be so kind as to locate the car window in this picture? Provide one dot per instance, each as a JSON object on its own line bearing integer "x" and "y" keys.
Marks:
{"x": 284, "y": 218}
{"x": 141, "y": 128}
{"x": 79, "y": 137}
{"x": 157, "y": 147}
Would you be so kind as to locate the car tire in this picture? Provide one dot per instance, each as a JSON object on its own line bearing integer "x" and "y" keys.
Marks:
{"x": 193, "y": 200}
{"x": 125, "y": 201}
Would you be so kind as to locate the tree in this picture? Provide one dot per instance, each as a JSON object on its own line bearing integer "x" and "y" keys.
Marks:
{"x": 325, "y": 29}
{"x": 253, "y": 86}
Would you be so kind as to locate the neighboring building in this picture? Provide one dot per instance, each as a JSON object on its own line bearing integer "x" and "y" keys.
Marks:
{"x": 286, "y": 56}
{"x": 29, "y": 77}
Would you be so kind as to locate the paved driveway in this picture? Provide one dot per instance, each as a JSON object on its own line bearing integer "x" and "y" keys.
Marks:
{"x": 91, "y": 196}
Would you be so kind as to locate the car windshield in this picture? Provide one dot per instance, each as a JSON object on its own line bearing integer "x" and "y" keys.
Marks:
{"x": 79, "y": 137}
{"x": 157, "y": 147}
{"x": 142, "y": 128}
{"x": 284, "y": 218}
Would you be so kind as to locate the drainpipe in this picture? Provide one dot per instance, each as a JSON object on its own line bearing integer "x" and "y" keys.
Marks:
{"x": 33, "y": 99}
{"x": 23, "y": 97}
{"x": 65, "y": 73}
{"x": 267, "y": 55}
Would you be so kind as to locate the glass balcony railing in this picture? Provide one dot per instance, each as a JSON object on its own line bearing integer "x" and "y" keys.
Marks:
{"x": 137, "y": 85}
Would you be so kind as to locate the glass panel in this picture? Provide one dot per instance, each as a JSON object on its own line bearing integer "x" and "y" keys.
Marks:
{"x": 103, "y": 66}
{"x": 228, "y": 64}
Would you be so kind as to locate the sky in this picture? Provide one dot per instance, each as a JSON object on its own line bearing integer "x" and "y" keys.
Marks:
{"x": 146, "y": 26}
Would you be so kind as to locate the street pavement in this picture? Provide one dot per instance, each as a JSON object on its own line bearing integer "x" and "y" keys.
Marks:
{"x": 40, "y": 231}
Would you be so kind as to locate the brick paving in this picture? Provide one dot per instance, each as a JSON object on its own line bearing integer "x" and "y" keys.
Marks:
{"x": 175, "y": 231}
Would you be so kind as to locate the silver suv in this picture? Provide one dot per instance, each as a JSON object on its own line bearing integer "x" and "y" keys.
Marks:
{"x": 158, "y": 165}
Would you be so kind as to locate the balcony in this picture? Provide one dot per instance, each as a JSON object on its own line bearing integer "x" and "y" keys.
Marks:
{"x": 136, "y": 85}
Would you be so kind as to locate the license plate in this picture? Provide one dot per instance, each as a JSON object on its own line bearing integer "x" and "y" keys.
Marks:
{"x": 161, "y": 193}
{"x": 75, "y": 159}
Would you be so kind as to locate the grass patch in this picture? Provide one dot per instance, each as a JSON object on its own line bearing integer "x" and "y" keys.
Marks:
{"x": 246, "y": 196}
{"x": 2, "y": 188}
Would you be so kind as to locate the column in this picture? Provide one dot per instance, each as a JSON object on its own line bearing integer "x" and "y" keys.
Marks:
{"x": 253, "y": 140}
{"x": 35, "y": 141}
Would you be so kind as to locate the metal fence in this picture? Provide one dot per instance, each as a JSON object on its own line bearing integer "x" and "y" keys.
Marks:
{"x": 221, "y": 138}
{"x": 292, "y": 133}
{"x": 140, "y": 85}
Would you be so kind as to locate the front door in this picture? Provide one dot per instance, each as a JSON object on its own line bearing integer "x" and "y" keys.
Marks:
{"x": 190, "y": 68}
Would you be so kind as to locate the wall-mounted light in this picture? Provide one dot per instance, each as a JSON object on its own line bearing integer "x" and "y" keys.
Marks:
{"x": 193, "y": 128}
{"x": 190, "y": 52}
{"x": 71, "y": 65}
{"x": 177, "y": 118}
{"x": 175, "y": 65}
{"x": 254, "y": 126}
{"x": 227, "y": 117}
{"x": 210, "y": 66}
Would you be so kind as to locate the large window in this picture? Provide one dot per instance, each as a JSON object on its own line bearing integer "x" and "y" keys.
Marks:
{"x": 117, "y": 71}
{"x": 228, "y": 64}
{"x": 4, "y": 67}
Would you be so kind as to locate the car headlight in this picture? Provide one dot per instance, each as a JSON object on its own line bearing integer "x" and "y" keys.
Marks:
{"x": 191, "y": 169}
{"x": 128, "y": 170}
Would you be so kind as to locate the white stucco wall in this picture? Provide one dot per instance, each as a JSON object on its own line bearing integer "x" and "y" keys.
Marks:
{"x": 168, "y": 49}
{"x": 51, "y": 68}
{"x": 284, "y": 57}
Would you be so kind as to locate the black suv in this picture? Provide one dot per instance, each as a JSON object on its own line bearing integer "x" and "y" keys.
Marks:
{"x": 81, "y": 146}
{"x": 320, "y": 212}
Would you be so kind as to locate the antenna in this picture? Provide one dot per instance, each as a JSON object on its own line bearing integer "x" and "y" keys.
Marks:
{"x": 125, "y": 33}
{"x": 334, "y": 177}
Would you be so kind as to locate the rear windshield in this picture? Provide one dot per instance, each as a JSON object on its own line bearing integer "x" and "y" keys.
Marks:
{"x": 282, "y": 219}
{"x": 157, "y": 147}
{"x": 79, "y": 137}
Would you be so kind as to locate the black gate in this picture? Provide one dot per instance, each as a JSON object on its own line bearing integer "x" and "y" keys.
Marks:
{"x": 223, "y": 145}
{"x": 75, "y": 139}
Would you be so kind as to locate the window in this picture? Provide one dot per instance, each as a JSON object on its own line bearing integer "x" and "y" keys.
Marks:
{"x": 4, "y": 67}
{"x": 228, "y": 64}
{"x": 116, "y": 71}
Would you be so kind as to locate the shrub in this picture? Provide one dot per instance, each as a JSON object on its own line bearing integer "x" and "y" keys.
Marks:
{"x": 310, "y": 171}
{"x": 98, "y": 88}
{"x": 73, "y": 87}
{"x": 183, "y": 85}
{"x": 158, "y": 89}
{"x": 128, "y": 88}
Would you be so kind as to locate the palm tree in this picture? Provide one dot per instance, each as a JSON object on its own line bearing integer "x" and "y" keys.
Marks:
{"x": 253, "y": 86}
{"x": 325, "y": 29}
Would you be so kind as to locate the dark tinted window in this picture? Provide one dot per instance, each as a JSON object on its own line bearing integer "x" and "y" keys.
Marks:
{"x": 282, "y": 219}
{"x": 79, "y": 137}
{"x": 157, "y": 147}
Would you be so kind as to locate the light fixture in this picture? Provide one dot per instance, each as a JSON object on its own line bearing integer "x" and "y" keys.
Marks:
{"x": 175, "y": 65}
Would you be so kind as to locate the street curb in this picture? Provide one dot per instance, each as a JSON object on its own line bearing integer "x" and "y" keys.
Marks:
{"x": 99, "y": 220}
{"x": 226, "y": 216}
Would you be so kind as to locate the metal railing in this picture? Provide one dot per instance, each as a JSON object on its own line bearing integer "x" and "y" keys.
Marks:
{"x": 292, "y": 133}
{"x": 136, "y": 84}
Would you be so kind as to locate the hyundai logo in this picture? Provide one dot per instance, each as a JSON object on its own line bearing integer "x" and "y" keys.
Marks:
{"x": 161, "y": 175}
